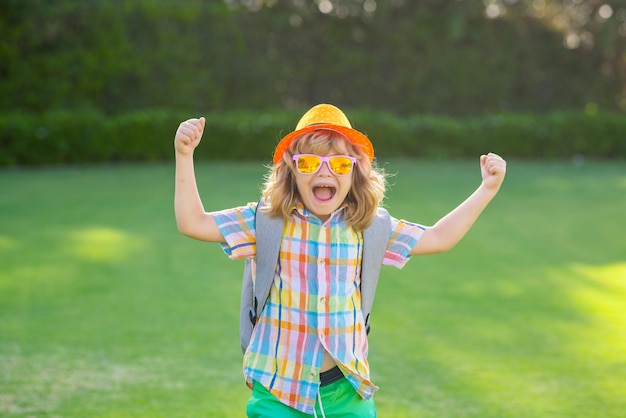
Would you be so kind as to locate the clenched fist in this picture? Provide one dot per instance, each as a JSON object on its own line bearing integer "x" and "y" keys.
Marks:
{"x": 188, "y": 136}
{"x": 493, "y": 170}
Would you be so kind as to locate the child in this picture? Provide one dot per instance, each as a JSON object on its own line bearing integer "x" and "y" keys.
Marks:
{"x": 308, "y": 352}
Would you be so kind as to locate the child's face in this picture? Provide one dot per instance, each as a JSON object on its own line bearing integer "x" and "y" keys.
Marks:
{"x": 324, "y": 191}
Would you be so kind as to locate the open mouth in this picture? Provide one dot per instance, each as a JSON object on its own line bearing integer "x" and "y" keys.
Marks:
{"x": 324, "y": 193}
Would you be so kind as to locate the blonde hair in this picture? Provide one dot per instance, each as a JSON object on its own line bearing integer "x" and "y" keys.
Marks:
{"x": 368, "y": 181}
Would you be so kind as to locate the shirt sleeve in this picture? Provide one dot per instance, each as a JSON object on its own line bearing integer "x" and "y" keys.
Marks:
{"x": 237, "y": 225}
{"x": 404, "y": 236}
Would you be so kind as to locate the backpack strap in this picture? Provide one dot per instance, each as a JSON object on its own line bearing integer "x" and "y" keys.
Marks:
{"x": 254, "y": 292}
{"x": 247, "y": 305}
{"x": 269, "y": 232}
{"x": 375, "y": 242}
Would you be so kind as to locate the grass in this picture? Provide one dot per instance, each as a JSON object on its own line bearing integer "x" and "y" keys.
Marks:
{"x": 107, "y": 312}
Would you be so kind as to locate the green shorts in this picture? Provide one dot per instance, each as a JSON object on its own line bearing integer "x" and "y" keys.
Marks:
{"x": 339, "y": 399}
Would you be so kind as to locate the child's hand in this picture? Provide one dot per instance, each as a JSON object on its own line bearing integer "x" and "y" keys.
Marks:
{"x": 188, "y": 136}
{"x": 493, "y": 170}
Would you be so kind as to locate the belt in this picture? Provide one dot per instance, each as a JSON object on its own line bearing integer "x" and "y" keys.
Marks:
{"x": 330, "y": 376}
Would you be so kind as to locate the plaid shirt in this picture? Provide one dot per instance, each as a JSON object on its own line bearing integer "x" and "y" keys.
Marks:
{"x": 314, "y": 304}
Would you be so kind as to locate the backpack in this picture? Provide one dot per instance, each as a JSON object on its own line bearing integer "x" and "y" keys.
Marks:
{"x": 269, "y": 233}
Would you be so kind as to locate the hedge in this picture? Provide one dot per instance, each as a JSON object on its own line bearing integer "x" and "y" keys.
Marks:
{"x": 439, "y": 57}
{"x": 89, "y": 136}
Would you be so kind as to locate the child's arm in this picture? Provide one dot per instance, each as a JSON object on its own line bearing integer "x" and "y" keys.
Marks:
{"x": 449, "y": 230}
{"x": 191, "y": 218}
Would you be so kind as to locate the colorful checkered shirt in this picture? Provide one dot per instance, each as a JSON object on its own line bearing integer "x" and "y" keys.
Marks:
{"x": 314, "y": 304}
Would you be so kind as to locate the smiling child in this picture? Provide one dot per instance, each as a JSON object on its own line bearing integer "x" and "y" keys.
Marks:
{"x": 308, "y": 352}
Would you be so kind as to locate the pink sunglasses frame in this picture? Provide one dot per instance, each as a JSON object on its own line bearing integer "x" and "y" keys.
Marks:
{"x": 325, "y": 159}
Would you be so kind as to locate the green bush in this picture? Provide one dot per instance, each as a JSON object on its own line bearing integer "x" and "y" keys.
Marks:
{"x": 88, "y": 136}
{"x": 426, "y": 57}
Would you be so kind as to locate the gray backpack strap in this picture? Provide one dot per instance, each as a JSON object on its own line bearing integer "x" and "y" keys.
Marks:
{"x": 247, "y": 305}
{"x": 375, "y": 241}
{"x": 269, "y": 233}
{"x": 254, "y": 294}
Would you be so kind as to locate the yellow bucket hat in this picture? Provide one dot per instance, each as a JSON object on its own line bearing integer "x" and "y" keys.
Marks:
{"x": 328, "y": 117}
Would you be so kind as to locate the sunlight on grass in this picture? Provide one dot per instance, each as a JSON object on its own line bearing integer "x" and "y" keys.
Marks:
{"x": 51, "y": 272}
{"x": 605, "y": 282}
{"x": 7, "y": 243}
{"x": 568, "y": 341}
{"x": 20, "y": 281}
{"x": 603, "y": 299}
{"x": 103, "y": 244}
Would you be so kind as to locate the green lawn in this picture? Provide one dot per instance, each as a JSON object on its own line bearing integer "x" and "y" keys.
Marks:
{"x": 106, "y": 311}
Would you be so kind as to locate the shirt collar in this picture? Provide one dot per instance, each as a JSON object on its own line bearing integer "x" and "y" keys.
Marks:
{"x": 303, "y": 212}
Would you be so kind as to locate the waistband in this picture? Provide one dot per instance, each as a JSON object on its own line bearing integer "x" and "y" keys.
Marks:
{"x": 330, "y": 376}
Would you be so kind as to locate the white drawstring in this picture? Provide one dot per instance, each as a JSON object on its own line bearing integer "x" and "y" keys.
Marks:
{"x": 319, "y": 399}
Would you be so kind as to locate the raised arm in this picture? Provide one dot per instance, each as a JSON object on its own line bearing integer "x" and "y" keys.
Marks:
{"x": 449, "y": 230}
{"x": 191, "y": 218}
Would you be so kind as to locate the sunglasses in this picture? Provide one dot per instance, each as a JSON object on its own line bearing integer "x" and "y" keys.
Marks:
{"x": 340, "y": 165}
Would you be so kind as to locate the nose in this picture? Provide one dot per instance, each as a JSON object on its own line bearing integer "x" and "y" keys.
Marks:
{"x": 325, "y": 169}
